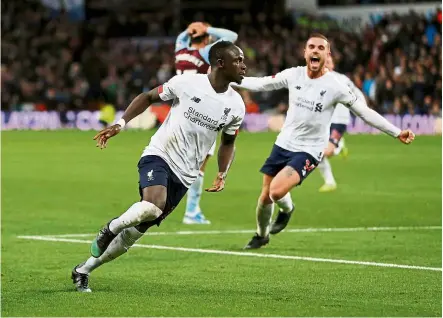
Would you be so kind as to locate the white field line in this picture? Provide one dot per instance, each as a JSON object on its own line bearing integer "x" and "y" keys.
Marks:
{"x": 304, "y": 230}
{"x": 247, "y": 254}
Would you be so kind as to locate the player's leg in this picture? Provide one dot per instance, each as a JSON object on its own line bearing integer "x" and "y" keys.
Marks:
{"x": 336, "y": 133}
{"x": 274, "y": 163}
{"x": 342, "y": 149}
{"x": 326, "y": 170}
{"x": 193, "y": 214}
{"x": 264, "y": 211}
{"x": 297, "y": 169}
{"x": 120, "y": 234}
{"x": 175, "y": 193}
{"x": 148, "y": 209}
{"x": 108, "y": 245}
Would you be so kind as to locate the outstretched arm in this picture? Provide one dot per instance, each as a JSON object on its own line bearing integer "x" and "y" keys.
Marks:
{"x": 137, "y": 106}
{"x": 226, "y": 153}
{"x": 164, "y": 92}
{"x": 267, "y": 83}
{"x": 376, "y": 120}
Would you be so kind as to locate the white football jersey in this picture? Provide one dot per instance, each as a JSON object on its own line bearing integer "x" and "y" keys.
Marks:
{"x": 197, "y": 115}
{"x": 342, "y": 115}
{"x": 311, "y": 105}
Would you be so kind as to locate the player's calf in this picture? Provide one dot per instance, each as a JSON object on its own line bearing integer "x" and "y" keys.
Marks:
{"x": 102, "y": 241}
{"x": 284, "y": 214}
{"x": 139, "y": 212}
{"x": 264, "y": 208}
{"x": 299, "y": 168}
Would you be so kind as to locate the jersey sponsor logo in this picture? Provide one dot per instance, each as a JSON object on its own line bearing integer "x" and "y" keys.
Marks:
{"x": 305, "y": 103}
{"x": 322, "y": 93}
{"x": 205, "y": 120}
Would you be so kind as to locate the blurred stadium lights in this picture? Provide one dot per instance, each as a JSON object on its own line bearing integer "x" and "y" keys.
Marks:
{"x": 161, "y": 4}
{"x": 139, "y": 4}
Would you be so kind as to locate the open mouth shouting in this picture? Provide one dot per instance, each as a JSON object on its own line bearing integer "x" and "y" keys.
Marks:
{"x": 315, "y": 61}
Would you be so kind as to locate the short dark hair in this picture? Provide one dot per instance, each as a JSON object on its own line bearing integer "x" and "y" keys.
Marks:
{"x": 217, "y": 51}
{"x": 201, "y": 38}
{"x": 319, "y": 35}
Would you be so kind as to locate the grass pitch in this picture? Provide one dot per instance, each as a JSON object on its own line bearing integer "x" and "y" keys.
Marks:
{"x": 57, "y": 183}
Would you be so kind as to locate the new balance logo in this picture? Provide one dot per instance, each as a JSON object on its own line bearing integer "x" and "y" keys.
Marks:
{"x": 298, "y": 87}
{"x": 318, "y": 107}
{"x": 196, "y": 99}
{"x": 322, "y": 93}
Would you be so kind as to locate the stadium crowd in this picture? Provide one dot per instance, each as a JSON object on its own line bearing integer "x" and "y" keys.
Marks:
{"x": 56, "y": 63}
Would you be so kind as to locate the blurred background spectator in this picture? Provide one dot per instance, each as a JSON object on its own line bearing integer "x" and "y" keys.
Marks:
{"x": 105, "y": 53}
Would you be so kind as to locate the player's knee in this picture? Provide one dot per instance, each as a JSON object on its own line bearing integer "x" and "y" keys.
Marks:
{"x": 158, "y": 200}
{"x": 277, "y": 193}
{"x": 160, "y": 204}
{"x": 149, "y": 212}
{"x": 264, "y": 197}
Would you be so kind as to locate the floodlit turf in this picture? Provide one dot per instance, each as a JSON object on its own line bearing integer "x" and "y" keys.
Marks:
{"x": 59, "y": 183}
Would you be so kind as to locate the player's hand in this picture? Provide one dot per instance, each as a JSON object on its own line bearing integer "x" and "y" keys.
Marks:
{"x": 197, "y": 29}
{"x": 103, "y": 136}
{"x": 218, "y": 184}
{"x": 406, "y": 136}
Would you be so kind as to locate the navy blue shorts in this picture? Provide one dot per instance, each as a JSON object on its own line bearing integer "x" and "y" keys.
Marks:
{"x": 153, "y": 170}
{"x": 336, "y": 132}
{"x": 279, "y": 158}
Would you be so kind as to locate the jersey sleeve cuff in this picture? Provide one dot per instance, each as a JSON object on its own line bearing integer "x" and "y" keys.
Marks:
{"x": 396, "y": 132}
{"x": 161, "y": 93}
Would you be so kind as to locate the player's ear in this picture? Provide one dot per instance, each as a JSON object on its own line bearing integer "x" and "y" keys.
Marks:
{"x": 220, "y": 63}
